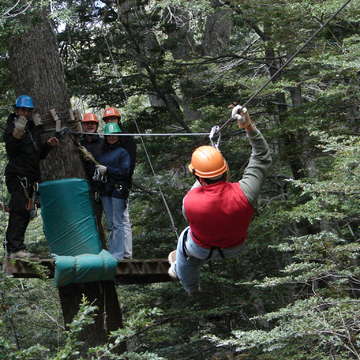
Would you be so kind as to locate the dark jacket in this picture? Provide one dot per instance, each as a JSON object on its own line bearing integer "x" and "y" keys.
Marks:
{"x": 94, "y": 144}
{"x": 129, "y": 144}
{"x": 118, "y": 163}
{"x": 24, "y": 154}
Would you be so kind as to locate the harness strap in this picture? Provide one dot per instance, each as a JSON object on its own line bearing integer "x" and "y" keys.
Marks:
{"x": 212, "y": 250}
{"x": 36, "y": 147}
{"x": 184, "y": 242}
{"x": 25, "y": 186}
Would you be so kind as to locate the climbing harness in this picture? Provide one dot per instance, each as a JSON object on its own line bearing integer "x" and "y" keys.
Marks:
{"x": 219, "y": 249}
{"x": 32, "y": 201}
{"x": 184, "y": 242}
{"x": 212, "y": 249}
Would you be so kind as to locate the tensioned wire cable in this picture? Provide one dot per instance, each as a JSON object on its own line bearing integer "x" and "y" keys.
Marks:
{"x": 141, "y": 137}
{"x": 291, "y": 58}
{"x": 142, "y": 134}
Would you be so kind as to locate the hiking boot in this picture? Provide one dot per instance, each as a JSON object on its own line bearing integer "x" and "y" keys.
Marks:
{"x": 172, "y": 262}
{"x": 21, "y": 254}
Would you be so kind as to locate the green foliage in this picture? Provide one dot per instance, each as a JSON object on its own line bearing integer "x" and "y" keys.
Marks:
{"x": 292, "y": 293}
{"x": 325, "y": 317}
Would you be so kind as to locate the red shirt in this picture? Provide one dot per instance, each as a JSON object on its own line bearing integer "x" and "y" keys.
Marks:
{"x": 218, "y": 214}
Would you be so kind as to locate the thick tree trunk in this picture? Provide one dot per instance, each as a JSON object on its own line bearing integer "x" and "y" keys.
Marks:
{"x": 37, "y": 71}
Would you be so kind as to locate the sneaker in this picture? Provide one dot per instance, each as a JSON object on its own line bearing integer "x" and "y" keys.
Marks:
{"x": 172, "y": 262}
{"x": 21, "y": 254}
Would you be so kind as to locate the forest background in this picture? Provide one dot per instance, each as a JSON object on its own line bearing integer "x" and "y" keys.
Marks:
{"x": 175, "y": 66}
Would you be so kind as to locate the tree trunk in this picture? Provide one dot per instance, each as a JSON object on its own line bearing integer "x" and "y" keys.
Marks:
{"x": 37, "y": 71}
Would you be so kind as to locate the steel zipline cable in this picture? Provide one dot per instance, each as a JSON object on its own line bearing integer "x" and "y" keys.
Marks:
{"x": 291, "y": 58}
{"x": 144, "y": 134}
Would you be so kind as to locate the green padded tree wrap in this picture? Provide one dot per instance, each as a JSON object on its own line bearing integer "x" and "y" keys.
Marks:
{"x": 84, "y": 268}
{"x": 68, "y": 216}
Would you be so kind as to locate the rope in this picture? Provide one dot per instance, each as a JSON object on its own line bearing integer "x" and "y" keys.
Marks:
{"x": 141, "y": 138}
{"x": 291, "y": 58}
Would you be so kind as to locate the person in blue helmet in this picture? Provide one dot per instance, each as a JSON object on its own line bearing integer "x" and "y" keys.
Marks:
{"x": 24, "y": 150}
{"x": 114, "y": 173}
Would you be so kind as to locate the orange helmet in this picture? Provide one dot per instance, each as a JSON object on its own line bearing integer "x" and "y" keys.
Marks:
{"x": 207, "y": 162}
{"x": 111, "y": 111}
{"x": 90, "y": 117}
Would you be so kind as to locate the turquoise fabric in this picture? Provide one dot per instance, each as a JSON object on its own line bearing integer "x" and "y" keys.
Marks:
{"x": 68, "y": 216}
{"x": 84, "y": 268}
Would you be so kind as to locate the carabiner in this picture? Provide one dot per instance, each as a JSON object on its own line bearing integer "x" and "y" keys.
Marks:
{"x": 214, "y": 130}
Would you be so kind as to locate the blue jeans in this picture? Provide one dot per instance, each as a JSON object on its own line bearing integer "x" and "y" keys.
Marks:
{"x": 128, "y": 233}
{"x": 188, "y": 264}
{"x": 114, "y": 212}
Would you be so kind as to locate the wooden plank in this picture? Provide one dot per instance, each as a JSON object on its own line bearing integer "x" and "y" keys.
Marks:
{"x": 134, "y": 271}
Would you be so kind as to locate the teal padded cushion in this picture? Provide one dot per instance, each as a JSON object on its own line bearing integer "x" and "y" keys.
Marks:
{"x": 68, "y": 216}
{"x": 84, "y": 268}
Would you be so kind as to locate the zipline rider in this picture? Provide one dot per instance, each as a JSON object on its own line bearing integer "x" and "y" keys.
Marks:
{"x": 24, "y": 150}
{"x": 218, "y": 212}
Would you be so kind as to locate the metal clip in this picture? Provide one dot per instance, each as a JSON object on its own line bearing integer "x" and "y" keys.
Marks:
{"x": 215, "y": 130}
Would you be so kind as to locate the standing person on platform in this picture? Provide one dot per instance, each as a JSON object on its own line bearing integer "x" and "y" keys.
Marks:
{"x": 113, "y": 115}
{"x": 94, "y": 145}
{"x": 24, "y": 150}
{"x": 114, "y": 173}
{"x": 218, "y": 212}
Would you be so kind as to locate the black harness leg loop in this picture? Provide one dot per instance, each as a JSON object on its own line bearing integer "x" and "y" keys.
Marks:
{"x": 184, "y": 242}
{"x": 212, "y": 250}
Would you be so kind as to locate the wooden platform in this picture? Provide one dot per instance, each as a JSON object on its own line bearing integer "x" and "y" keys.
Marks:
{"x": 128, "y": 271}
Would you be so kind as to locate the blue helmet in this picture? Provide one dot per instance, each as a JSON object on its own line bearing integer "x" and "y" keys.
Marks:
{"x": 24, "y": 101}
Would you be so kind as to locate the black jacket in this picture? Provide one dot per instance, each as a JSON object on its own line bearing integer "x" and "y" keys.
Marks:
{"x": 24, "y": 154}
{"x": 129, "y": 144}
{"x": 94, "y": 144}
